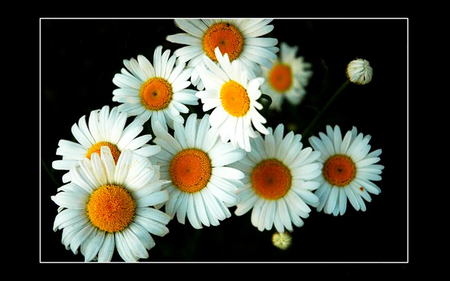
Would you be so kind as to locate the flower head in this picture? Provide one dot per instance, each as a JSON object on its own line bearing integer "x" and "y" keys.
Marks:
{"x": 359, "y": 71}
{"x": 157, "y": 91}
{"x": 234, "y": 99}
{"x": 194, "y": 160}
{"x": 282, "y": 240}
{"x": 287, "y": 78}
{"x": 348, "y": 170}
{"x": 239, "y": 38}
{"x": 278, "y": 181}
{"x": 107, "y": 206}
{"x": 104, "y": 128}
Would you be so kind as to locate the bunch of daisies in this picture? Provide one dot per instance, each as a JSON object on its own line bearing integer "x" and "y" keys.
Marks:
{"x": 122, "y": 186}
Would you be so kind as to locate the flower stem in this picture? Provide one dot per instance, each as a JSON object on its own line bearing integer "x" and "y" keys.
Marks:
{"x": 50, "y": 174}
{"x": 311, "y": 125}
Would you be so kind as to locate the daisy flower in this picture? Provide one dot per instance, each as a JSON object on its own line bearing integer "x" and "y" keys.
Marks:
{"x": 359, "y": 71}
{"x": 278, "y": 181}
{"x": 104, "y": 128}
{"x": 194, "y": 160}
{"x": 287, "y": 78}
{"x": 157, "y": 91}
{"x": 234, "y": 97}
{"x": 348, "y": 170}
{"x": 107, "y": 206}
{"x": 239, "y": 38}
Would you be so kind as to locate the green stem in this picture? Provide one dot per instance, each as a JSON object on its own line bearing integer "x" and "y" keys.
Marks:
{"x": 50, "y": 174}
{"x": 311, "y": 125}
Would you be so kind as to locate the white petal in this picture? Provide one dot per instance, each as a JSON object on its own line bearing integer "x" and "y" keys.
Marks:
{"x": 200, "y": 208}
{"x": 165, "y": 140}
{"x": 143, "y": 235}
{"x": 154, "y": 214}
{"x": 192, "y": 214}
{"x": 146, "y": 66}
{"x": 80, "y": 136}
{"x": 135, "y": 245}
{"x": 283, "y": 214}
{"x": 108, "y": 163}
{"x": 68, "y": 217}
{"x": 80, "y": 237}
{"x": 245, "y": 205}
{"x": 71, "y": 200}
{"x": 213, "y": 207}
{"x": 191, "y": 130}
{"x": 342, "y": 201}
{"x": 122, "y": 247}
{"x": 256, "y": 212}
{"x": 227, "y": 172}
{"x": 130, "y": 132}
{"x": 94, "y": 245}
{"x": 153, "y": 199}
{"x": 126, "y": 81}
{"x": 352, "y": 197}
{"x": 332, "y": 200}
{"x": 106, "y": 252}
{"x": 183, "y": 206}
{"x": 122, "y": 167}
{"x": 367, "y": 161}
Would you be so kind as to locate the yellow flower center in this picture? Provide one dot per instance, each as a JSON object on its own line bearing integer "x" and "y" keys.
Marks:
{"x": 339, "y": 170}
{"x": 271, "y": 179}
{"x": 156, "y": 94}
{"x": 111, "y": 208}
{"x": 190, "y": 170}
{"x": 227, "y": 37}
{"x": 234, "y": 99}
{"x": 96, "y": 149}
{"x": 280, "y": 77}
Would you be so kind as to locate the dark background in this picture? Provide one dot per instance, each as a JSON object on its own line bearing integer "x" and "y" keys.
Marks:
{"x": 80, "y": 57}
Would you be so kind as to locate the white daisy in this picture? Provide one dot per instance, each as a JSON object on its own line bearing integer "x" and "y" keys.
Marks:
{"x": 278, "y": 181}
{"x": 194, "y": 160}
{"x": 348, "y": 169}
{"x": 157, "y": 91}
{"x": 359, "y": 71}
{"x": 106, "y": 206}
{"x": 104, "y": 128}
{"x": 287, "y": 78}
{"x": 234, "y": 97}
{"x": 239, "y": 38}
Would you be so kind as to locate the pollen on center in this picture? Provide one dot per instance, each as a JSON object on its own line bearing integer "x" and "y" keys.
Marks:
{"x": 271, "y": 179}
{"x": 339, "y": 170}
{"x": 156, "y": 94}
{"x": 280, "y": 77}
{"x": 234, "y": 99}
{"x": 111, "y": 208}
{"x": 225, "y": 36}
{"x": 190, "y": 170}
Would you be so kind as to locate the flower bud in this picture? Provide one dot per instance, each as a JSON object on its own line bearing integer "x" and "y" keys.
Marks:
{"x": 359, "y": 71}
{"x": 282, "y": 240}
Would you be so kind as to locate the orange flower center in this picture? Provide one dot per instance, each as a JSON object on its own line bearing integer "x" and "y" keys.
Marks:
{"x": 280, "y": 77}
{"x": 234, "y": 99}
{"x": 225, "y": 36}
{"x": 156, "y": 94}
{"x": 190, "y": 170}
{"x": 339, "y": 170}
{"x": 271, "y": 179}
{"x": 96, "y": 149}
{"x": 111, "y": 208}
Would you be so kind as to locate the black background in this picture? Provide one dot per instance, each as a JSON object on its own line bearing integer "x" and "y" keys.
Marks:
{"x": 80, "y": 57}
